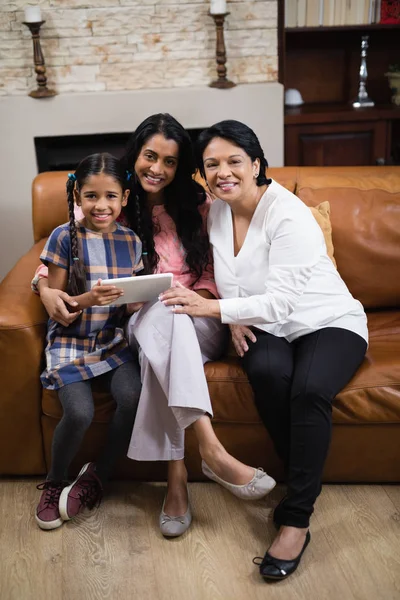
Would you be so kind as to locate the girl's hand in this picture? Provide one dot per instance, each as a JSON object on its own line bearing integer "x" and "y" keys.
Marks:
{"x": 190, "y": 302}
{"x": 55, "y": 302}
{"x": 239, "y": 334}
{"x": 102, "y": 295}
{"x": 133, "y": 307}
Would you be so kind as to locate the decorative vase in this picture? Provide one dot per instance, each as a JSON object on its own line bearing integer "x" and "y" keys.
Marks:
{"x": 394, "y": 83}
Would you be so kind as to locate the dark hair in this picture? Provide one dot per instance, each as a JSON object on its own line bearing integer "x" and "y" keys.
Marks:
{"x": 239, "y": 134}
{"x": 183, "y": 196}
{"x": 91, "y": 165}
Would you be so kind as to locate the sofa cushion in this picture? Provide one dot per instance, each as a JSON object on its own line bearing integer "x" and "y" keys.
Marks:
{"x": 371, "y": 397}
{"x": 365, "y": 215}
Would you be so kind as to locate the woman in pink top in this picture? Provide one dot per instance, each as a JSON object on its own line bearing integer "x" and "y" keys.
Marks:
{"x": 168, "y": 211}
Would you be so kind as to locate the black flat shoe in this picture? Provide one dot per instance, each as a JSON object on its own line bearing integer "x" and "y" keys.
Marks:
{"x": 276, "y": 568}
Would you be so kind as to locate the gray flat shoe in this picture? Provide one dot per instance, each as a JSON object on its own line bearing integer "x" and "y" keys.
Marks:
{"x": 175, "y": 526}
{"x": 257, "y": 488}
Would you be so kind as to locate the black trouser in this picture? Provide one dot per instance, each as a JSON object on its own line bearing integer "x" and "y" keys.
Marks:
{"x": 77, "y": 402}
{"x": 294, "y": 385}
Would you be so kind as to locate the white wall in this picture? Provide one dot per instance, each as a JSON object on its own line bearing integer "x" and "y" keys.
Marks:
{"x": 22, "y": 118}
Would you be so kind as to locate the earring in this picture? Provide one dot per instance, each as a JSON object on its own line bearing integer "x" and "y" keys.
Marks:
{"x": 256, "y": 175}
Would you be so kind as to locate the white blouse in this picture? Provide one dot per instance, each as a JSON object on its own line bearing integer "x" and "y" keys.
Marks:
{"x": 282, "y": 280}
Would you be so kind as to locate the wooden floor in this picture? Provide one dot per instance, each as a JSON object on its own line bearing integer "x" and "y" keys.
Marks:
{"x": 116, "y": 552}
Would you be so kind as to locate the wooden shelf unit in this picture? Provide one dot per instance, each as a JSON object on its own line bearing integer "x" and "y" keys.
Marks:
{"x": 323, "y": 64}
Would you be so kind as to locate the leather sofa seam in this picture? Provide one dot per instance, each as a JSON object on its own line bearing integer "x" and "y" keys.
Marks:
{"x": 308, "y": 187}
{"x": 17, "y": 327}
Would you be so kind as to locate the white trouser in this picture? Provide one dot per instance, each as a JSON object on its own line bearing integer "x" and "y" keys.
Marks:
{"x": 172, "y": 351}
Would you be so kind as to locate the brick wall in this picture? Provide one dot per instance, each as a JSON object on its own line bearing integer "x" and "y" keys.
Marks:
{"x": 96, "y": 45}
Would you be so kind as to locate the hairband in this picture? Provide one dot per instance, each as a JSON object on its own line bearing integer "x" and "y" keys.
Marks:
{"x": 72, "y": 176}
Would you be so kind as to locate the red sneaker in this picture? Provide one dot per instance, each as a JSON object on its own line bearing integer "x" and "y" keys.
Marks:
{"x": 85, "y": 491}
{"x": 47, "y": 512}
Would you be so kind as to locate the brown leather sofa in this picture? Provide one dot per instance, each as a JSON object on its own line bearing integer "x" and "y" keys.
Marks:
{"x": 365, "y": 215}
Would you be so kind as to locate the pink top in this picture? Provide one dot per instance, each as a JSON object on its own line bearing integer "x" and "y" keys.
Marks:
{"x": 170, "y": 250}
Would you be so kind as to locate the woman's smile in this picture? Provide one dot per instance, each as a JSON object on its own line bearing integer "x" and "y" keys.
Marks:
{"x": 227, "y": 186}
{"x": 153, "y": 179}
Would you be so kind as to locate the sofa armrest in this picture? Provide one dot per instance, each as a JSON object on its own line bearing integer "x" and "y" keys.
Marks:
{"x": 23, "y": 322}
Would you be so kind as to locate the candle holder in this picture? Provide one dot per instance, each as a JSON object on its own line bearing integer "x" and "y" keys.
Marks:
{"x": 363, "y": 100}
{"x": 222, "y": 82}
{"x": 42, "y": 90}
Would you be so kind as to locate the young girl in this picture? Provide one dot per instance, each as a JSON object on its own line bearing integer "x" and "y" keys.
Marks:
{"x": 78, "y": 255}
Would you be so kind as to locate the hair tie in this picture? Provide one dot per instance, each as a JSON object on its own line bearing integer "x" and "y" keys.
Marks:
{"x": 128, "y": 175}
{"x": 75, "y": 258}
{"x": 144, "y": 253}
{"x": 72, "y": 176}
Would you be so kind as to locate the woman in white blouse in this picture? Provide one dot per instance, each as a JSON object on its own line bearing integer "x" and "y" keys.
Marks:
{"x": 300, "y": 333}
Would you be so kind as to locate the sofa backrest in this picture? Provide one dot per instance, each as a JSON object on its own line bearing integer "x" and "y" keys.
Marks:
{"x": 49, "y": 203}
{"x": 49, "y": 198}
{"x": 365, "y": 215}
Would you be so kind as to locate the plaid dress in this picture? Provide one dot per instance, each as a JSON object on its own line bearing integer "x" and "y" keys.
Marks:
{"x": 94, "y": 343}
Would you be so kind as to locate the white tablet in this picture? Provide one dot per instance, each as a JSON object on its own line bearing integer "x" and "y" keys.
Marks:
{"x": 142, "y": 288}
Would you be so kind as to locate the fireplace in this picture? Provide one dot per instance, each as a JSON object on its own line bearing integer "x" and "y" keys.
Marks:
{"x": 63, "y": 153}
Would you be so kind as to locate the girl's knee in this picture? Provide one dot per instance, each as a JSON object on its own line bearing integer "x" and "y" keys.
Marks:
{"x": 128, "y": 399}
{"x": 125, "y": 411}
{"x": 79, "y": 418}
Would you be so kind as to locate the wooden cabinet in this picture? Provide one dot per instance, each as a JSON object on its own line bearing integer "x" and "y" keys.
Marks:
{"x": 337, "y": 135}
{"x": 323, "y": 64}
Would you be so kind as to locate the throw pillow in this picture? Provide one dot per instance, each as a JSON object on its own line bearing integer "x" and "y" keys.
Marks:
{"x": 321, "y": 214}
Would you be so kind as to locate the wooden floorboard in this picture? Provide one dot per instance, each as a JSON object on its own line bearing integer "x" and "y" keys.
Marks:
{"x": 117, "y": 552}
{"x": 393, "y": 491}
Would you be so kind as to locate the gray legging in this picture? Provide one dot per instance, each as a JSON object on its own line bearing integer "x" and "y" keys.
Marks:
{"x": 77, "y": 402}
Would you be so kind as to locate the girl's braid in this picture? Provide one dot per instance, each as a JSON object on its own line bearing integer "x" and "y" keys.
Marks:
{"x": 77, "y": 272}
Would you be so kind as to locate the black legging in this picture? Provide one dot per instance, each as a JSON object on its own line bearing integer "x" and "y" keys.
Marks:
{"x": 77, "y": 402}
{"x": 294, "y": 385}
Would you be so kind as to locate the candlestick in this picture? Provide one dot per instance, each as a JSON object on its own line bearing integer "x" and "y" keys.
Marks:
{"x": 363, "y": 100}
{"x": 42, "y": 90}
{"x": 33, "y": 14}
{"x": 222, "y": 82}
{"x": 218, "y": 7}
